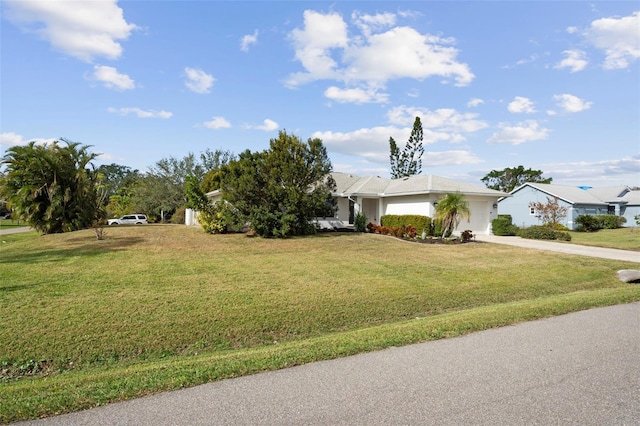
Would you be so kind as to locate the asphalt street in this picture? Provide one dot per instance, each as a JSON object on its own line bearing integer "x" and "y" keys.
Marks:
{"x": 581, "y": 368}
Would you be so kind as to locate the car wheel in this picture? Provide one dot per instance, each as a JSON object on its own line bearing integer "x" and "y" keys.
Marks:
{"x": 114, "y": 223}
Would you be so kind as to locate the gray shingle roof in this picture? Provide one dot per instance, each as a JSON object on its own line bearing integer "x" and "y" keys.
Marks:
{"x": 348, "y": 184}
{"x": 570, "y": 194}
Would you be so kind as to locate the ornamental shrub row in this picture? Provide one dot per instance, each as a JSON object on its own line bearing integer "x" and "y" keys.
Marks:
{"x": 397, "y": 220}
{"x": 543, "y": 233}
{"x": 589, "y": 223}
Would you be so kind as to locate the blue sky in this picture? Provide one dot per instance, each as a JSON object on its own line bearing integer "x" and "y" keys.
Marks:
{"x": 549, "y": 85}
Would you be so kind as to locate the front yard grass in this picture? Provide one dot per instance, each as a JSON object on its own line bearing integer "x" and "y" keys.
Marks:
{"x": 621, "y": 238}
{"x": 159, "y": 307}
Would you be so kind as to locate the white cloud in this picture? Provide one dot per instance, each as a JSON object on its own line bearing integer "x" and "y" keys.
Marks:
{"x": 619, "y": 38}
{"x": 140, "y": 113}
{"x": 357, "y": 96}
{"x": 372, "y": 23}
{"x": 217, "y": 123}
{"x": 442, "y": 125}
{"x": 474, "y": 102}
{"x": 571, "y": 103}
{"x": 111, "y": 78}
{"x": 267, "y": 126}
{"x": 521, "y": 105}
{"x": 526, "y": 131}
{"x": 622, "y": 171}
{"x": 572, "y": 30}
{"x": 10, "y": 139}
{"x": 450, "y": 158}
{"x": 82, "y": 29}
{"x": 248, "y": 40}
{"x": 575, "y": 60}
{"x": 198, "y": 81}
{"x": 370, "y": 54}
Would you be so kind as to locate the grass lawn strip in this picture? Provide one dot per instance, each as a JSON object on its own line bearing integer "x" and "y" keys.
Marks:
{"x": 161, "y": 307}
{"x": 622, "y": 238}
{"x": 86, "y": 389}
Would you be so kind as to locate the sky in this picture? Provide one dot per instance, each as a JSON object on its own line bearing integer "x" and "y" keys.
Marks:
{"x": 550, "y": 85}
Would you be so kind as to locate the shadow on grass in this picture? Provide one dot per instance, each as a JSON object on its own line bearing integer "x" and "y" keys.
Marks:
{"x": 57, "y": 254}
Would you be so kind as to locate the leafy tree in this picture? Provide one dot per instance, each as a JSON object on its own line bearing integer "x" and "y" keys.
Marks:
{"x": 510, "y": 178}
{"x": 54, "y": 187}
{"x": 450, "y": 209}
{"x": 550, "y": 213}
{"x": 282, "y": 189}
{"x": 162, "y": 190}
{"x": 409, "y": 161}
{"x": 117, "y": 177}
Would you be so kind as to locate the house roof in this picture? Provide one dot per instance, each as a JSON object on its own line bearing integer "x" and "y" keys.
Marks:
{"x": 632, "y": 198}
{"x": 609, "y": 194}
{"x": 348, "y": 184}
{"x": 570, "y": 194}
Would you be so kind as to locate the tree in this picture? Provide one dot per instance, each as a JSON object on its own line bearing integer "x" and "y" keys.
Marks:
{"x": 280, "y": 190}
{"x": 409, "y": 161}
{"x": 54, "y": 187}
{"x": 551, "y": 213}
{"x": 450, "y": 209}
{"x": 508, "y": 179}
{"x": 161, "y": 191}
{"x": 117, "y": 177}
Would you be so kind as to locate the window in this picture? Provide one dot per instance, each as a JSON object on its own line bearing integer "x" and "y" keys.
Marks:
{"x": 532, "y": 211}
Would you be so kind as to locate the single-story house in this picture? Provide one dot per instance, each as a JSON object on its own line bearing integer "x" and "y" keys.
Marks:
{"x": 375, "y": 196}
{"x": 618, "y": 200}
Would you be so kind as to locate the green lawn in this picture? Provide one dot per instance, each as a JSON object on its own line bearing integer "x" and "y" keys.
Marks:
{"x": 622, "y": 238}
{"x": 10, "y": 223}
{"x": 158, "y": 307}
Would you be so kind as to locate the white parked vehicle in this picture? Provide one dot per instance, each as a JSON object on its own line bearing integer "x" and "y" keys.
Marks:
{"x": 129, "y": 219}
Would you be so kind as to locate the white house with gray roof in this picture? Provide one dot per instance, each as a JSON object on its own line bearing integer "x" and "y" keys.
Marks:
{"x": 619, "y": 200}
{"x": 376, "y": 196}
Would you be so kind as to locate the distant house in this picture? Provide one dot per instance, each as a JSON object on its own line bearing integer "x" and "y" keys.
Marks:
{"x": 376, "y": 196}
{"x": 618, "y": 200}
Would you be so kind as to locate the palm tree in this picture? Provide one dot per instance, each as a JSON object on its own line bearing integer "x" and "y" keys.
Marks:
{"x": 450, "y": 209}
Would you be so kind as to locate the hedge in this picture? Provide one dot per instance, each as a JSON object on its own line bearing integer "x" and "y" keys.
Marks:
{"x": 419, "y": 222}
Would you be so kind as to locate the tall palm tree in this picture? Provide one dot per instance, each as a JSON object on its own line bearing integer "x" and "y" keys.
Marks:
{"x": 450, "y": 209}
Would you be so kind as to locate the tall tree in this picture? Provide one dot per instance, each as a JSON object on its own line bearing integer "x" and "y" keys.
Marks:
{"x": 116, "y": 177}
{"x": 282, "y": 189}
{"x": 450, "y": 209}
{"x": 54, "y": 187}
{"x": 409, "y": 161}
{"x": 510, "y": 178}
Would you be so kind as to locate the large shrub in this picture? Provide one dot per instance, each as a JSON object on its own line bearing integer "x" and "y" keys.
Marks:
{"x": 503, "y": 226}
{"x": 611, "y": 221}
{"x": 421, "y": 223}
{"x": 543, "y": 233}
{"x": 588, "y": 223}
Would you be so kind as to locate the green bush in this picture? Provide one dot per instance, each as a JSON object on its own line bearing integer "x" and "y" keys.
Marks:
{"x": 178, "y": 217}
{"x": 360, "y": 222}
{"x": 502, "y": 225}
{"x": 611, "y": 221}
{"x": 436, "y": 229}
{"x": 419, "y": 222}
{"x": 543, "y": 233}
{"x": 588, "y": 223}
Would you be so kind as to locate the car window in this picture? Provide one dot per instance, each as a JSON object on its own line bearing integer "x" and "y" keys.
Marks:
{"x": 128, "y": 217}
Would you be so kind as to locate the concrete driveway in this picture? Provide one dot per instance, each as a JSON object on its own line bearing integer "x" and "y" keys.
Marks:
{"x": 581, "y": 368}
{"x": 605, "y": 253}
{"x": 14, "y": 230}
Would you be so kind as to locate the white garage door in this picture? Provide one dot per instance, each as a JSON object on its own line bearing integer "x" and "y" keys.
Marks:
{"x": 479, "y": 220}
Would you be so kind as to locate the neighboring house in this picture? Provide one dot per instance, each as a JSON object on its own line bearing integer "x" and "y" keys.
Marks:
{"x": 376, "y": 196}
{"x": 619, "y": 200}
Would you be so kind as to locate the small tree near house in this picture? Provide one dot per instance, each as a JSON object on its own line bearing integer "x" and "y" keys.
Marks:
{"x": 550, "y": 213}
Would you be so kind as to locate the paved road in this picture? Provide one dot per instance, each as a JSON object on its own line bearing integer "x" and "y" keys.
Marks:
{"x": 14, "y": 230}
{"x": 606, "y": 253}
{"x": 581, "y": 368}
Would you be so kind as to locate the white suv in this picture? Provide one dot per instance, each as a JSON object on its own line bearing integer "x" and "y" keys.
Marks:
{"x": 129, "y": 219}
